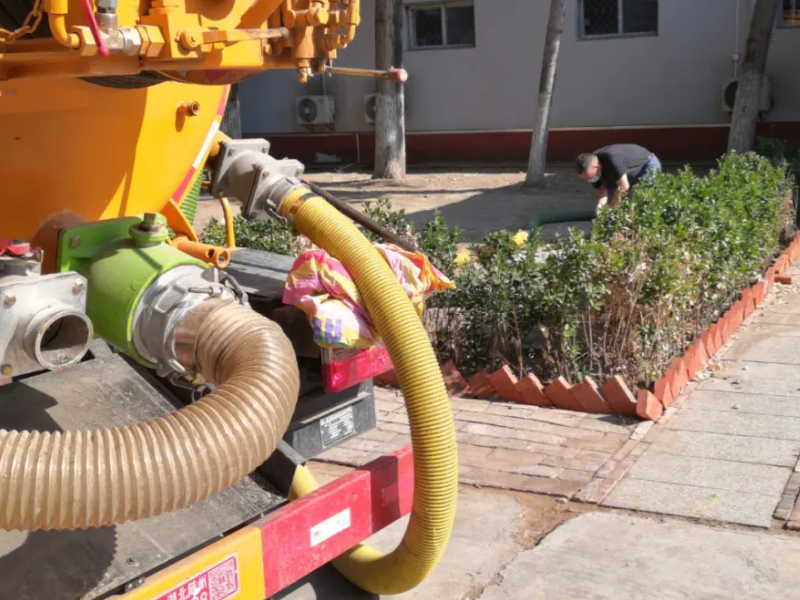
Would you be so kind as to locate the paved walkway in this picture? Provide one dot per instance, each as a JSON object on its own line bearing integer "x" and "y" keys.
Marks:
{"x": 507, "y": 446}
{"x": 605, "y": 556}
{"x": 729, "y": 452}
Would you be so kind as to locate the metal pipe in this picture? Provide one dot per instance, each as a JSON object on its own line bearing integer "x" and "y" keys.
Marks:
{"x": 58, "y": 29}
{"x": 58, "y": 337}
{"x": 88, "y": 12}
{"x": 363, "y": 220}
{"x": 230, "y": 232}
{"x": 399, "y": 75}
{"x": 213, "y": 255}
{"x": 353, "y": 19}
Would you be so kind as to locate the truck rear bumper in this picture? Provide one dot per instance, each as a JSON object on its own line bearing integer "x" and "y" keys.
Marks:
{"x": 262, "y": 558}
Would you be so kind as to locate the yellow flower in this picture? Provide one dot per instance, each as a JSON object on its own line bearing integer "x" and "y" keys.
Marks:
{"x": 463, "y": 257}
{"x": 519, "y": 238}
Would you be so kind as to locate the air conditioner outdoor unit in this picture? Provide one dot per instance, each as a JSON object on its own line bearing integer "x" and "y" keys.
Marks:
{"x": 315, "y": 110}
{"x": 729, "y": 95}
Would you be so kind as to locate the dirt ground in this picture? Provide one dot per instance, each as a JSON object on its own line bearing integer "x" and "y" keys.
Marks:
{"x": 477, "y": 200}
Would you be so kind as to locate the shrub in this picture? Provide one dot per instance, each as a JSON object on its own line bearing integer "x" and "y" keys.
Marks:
{"x": 440, "y": 242}
{"x": 779, "y": 151}
{"x": 382, "y": 212}
{"x": 437, "y": 239}
{"x": 270, "y": 235}
{"x": 654, "y": 272}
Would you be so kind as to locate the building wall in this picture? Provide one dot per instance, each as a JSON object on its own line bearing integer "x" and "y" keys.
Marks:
{"x": 674, "y": 78}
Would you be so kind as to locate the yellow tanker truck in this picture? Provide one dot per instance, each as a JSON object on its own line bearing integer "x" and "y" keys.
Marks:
{"x": 112, "y": 482}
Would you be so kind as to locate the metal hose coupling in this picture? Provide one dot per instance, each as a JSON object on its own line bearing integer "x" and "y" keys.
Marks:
{"x": 80, "y": 479}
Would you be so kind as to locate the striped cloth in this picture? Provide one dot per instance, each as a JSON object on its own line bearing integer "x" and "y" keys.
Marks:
{"x": 323, "y": 289}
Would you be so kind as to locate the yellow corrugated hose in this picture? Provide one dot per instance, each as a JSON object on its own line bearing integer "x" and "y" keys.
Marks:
{"x": 427, "y": 403}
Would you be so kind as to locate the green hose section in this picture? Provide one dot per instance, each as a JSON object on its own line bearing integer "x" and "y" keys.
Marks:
{"x": 427, "y": 403}
{"x": 189, "y": 204}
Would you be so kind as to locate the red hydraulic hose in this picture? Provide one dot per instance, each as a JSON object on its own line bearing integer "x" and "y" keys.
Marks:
{"x": 102, "y": 50}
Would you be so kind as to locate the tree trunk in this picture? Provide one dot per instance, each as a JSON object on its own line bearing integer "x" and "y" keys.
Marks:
{"x": 742, "y": 135}
{"x": 552, "y": 42}
{"x": 390, "y": 126}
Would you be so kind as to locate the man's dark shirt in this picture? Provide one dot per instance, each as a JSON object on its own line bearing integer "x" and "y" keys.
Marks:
{"x": 617, "y": 160}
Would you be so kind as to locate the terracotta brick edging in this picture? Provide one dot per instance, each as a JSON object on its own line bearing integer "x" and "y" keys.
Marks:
{"x": 614, "y": 396}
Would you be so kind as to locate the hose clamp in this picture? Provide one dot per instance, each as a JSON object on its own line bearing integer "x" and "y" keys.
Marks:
{"x": 164, "y": 306}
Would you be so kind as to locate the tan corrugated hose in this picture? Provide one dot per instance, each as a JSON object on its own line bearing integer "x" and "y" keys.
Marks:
{"x": 79, "y": 479}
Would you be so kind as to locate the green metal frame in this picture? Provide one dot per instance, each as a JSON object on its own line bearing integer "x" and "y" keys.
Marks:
{"x": 120, "y": 262}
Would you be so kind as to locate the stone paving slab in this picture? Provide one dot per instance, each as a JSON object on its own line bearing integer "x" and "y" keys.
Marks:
{"x": 721, "y": 474}
{"x": 755, "y": 377}
{"x": 786, "y": 506}
{"x": 729, "y": 449}
{"x": 604, "y": 556}
{"x": 778, "y": 325}
{"x": 777, "y": 319}
{"x": 486, "y": 519}
{"x": 610, "y": 474}
{"x": 744, "y": 402}
{"x": 786, "y": 308}
{"x": 735, "y": 423}
{"x": 689, "y": 501}
{"x": 760, "y": 345}
{"x": 756, "y": 385}
{"x": 782, "y": 453}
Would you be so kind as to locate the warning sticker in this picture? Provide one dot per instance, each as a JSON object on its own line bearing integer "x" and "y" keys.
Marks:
{"x": 330, "y": 527}
{"x": 218, "y": 582}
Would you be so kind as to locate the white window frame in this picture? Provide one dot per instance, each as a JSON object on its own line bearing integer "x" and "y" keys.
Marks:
{"x": 582, "y": 35}
{"x": 782, "y": 19}
{"x": 412, "y": 29}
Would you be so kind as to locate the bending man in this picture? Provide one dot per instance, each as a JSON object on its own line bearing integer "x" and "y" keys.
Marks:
{"x": 613, "y": 170}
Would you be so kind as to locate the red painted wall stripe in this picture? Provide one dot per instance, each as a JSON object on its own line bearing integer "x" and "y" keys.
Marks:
{"x": 312, "y": 531}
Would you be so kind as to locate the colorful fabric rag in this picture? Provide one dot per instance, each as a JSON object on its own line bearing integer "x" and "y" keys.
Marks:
{"x": 321, "y": 287}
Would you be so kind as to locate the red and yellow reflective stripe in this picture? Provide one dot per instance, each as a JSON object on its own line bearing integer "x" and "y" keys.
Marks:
{"x": 231, "y": 568}
{"x": 261, "y": 559}
{"x": 180, "y": 192}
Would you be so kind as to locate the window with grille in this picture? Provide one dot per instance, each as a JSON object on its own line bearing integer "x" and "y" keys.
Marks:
{"x": 608, "y": 18}
{"x": 791, "y": 13}
{"x": 442, "y": 25}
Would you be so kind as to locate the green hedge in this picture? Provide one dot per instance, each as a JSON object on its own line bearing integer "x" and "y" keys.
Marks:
{"x": 623, "y": 301}
{"x": 654, "y": 272}
{"x": 780, "y": 151}
{"x": 269, "y": 235}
